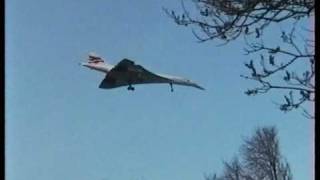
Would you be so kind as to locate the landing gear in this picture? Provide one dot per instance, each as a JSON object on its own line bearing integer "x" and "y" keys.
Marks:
{"x": 171, "y": 87}
{"x": 130, "y": 88}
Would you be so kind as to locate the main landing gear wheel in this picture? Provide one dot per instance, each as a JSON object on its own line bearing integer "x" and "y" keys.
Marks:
{"x": 130, "y": 88}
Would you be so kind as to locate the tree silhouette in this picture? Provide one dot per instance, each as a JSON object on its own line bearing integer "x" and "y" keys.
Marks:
{"x": 227, "y": 20}
{"x": 260, "y": 158}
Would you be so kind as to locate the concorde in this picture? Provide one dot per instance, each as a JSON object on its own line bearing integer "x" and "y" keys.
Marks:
{"x": 127, "y": 73}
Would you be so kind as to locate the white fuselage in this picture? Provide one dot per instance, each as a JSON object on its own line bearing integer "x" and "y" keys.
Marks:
{"x": 102, "y": 67}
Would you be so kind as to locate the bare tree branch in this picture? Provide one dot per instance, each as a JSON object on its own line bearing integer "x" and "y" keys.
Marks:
{"x": 259, "y": 158}
{"x": 227, "y": 20}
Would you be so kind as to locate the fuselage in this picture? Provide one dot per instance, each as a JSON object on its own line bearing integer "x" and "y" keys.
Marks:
{"x": 101, "y": 66}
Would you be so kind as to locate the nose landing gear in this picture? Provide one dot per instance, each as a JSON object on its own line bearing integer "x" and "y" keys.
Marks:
{"x": 171, "y": 87}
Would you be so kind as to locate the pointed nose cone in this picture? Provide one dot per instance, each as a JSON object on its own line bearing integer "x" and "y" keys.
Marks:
{"x": 197, "y": 86}
{"x": 200, "y": 87}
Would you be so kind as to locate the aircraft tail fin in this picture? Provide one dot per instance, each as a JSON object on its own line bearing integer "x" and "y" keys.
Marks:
{"x": 94, "y": 58}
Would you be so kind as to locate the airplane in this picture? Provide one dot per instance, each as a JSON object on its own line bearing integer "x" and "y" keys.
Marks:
{"x": 127, "y": 73}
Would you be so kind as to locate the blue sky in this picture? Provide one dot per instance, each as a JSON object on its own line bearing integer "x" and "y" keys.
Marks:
{"x": 60, "y": 125}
